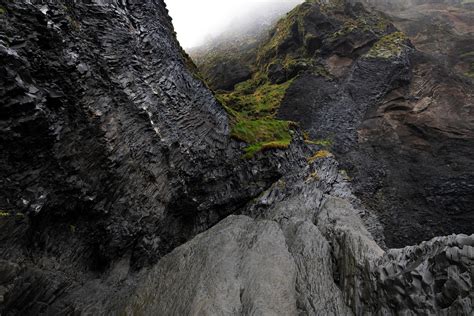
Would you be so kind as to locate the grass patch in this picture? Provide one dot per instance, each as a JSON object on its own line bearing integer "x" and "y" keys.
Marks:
{"x": 467, "y": 55}
{"x": 253, "y": 100}
{"x": 470, "y": 72}
{"x": 252, "y": 107}
{"x": 262, "y": 134}
{"x": 319, "y": 142}
{"x": 319, "y": 155}
{"x": 251, "y": 150}
{"x": 263, "y": 130}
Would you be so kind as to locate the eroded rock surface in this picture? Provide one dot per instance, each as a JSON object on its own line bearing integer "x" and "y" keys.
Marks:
{"x": 316, "y": 258}
{"x": 394, "y": 107}
{"x": 112, "y": 151}
{"x": 116, "y": 162}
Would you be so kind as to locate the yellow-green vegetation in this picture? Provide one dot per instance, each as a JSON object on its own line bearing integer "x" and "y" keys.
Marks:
{"x": 252, "y": 107}
{"x": 313, "y": 177}
{"x": 291, "y": 49}
{"x": 467, "y": 55}
{"x": 390, "y": 45}
{"x": 470, "y": 73}
{"x": 347, "y": 28}
{"x": 8, "y": 214}
{"x": 469, "y": 58}
{"x": 320, "y": 142}
{"x": 344, "y": 173}
{"x": 294, "y": 41}
{"x": 330, "y": 6}
{"x": 251, "y": 100}
{"x": 2, "y": 10}
{"x": 319, "y": 155}
{"x": 284, "y": 32}
{"x": 371, "y": 23}
{"x": 251, "y": 150}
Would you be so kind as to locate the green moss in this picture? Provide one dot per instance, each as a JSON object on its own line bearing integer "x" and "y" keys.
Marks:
{"x": 470, "y": 73}
{"x": 364, "y": 24}
{"x": 347, "y": 28}
{"x": 286, "y": 30}
{"x": 4, "y": 213}
{"x": 252, "y": 100}
{"x": 319, "y": 155}
{"x": 467, "y": 55}
{"x": 262, "y": 134}
{"x": 389, "y": 46}
{"x": 292, "y": 48}
{"x": 251, "y": 150}
{"x": 331, "y": 6}
{"x": 261, "y": 130}
{"x": 2, "y": 10}
{"x": 252, "y": 107}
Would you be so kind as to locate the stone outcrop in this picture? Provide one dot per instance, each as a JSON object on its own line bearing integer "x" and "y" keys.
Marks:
{"x": 312, "y": 258}
{"x": 113, "y": 152}
{"x": 395, "y": 111}
{"x": 123, "y": 193}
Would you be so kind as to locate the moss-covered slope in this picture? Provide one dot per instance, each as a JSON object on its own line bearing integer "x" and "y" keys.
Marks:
{"x": 304, "y": 41}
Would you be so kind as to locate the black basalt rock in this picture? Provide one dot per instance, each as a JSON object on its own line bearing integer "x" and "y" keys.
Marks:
{"x": 111, "y": 149}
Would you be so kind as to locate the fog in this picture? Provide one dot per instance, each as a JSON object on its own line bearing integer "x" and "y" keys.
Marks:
{"x": 196, "y": 21}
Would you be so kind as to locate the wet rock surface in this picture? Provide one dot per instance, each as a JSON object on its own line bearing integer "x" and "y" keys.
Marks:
{"x": 402, "y": 129}
{"x": 317, "y": 258}
{"x": 112, "y": 149}
{"x": 401, "y": 125}
{"x": 119, "y": 178}
{"x": 395, "y": 107}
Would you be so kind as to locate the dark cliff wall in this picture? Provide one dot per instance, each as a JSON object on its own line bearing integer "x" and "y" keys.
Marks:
{"x": 401, "y": 125}
{"x": 111, "y": 150}
{"x": 397, "y": 117}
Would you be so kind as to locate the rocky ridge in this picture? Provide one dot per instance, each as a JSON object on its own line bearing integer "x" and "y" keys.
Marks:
{"x": 302, "y": 249}
{"x": 112, "y": 149}
{"x": 398, "y": 118}
{"x": 113, "y": 161}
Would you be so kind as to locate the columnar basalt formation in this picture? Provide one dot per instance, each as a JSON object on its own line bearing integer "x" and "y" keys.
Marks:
{"x": 126, "y": 191}
{"x": 112, "y": 148}
{"x": 395, "y": 107}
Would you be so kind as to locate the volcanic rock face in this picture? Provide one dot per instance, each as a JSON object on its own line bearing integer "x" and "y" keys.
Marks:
{"x": 116, "y": 160}
{"x": 444, "y": 29}
{"x": 229, "y": 58}
{"x": 111, "y": 149}
{"x": 399, "y": 119}
{"x": 402, "y": 125}
{"x": 309, "y": 258}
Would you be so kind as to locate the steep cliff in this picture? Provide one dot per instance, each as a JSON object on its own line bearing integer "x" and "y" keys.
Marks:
{"x": 127, "y": 188}
{"x": 399, "y": 119}
{"x": 111, "y": 149}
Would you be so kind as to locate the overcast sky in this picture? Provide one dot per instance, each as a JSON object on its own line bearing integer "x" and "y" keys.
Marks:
{"x": 194, "y": 20}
